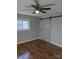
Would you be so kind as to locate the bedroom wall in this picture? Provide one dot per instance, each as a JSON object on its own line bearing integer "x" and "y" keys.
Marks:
{"x": 32, "y": 33}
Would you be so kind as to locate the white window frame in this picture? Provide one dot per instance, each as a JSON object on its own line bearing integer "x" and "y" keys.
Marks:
{"x": 22, "y": 24}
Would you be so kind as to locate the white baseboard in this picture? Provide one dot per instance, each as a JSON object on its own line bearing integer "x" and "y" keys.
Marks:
{"x": 56, "y": 44}
{"x": 27, "y": 40}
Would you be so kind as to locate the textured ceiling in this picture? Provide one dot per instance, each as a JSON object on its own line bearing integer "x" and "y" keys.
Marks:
{"x": 56, "y": 9}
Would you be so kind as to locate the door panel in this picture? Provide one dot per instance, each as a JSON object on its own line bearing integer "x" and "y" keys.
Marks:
{"x": 45, "y": 29}
{"x": 51, "y": 31}
{"x": 56, "y": 31}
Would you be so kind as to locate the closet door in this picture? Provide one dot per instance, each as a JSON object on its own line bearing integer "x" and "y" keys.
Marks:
{"x": 56, "y": 31}
{"x": 45, "y": 29}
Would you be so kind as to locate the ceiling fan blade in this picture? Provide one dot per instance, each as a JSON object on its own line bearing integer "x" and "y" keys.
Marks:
{"x": 34, "y": 6}
{"x": 45, "y": 8}
{"x": 48, "y": 5}
{"x": 42, "y": 11}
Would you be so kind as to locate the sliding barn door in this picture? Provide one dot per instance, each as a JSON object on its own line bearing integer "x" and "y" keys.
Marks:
{"x": 56, "y": 31}
{"x": 51, "y": 30}
{"x": 45, "y": 29}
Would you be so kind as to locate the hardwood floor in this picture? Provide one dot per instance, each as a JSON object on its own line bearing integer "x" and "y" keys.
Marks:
{"x": 40, "y": 49}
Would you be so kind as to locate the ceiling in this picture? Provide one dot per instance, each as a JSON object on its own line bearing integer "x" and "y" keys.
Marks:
{"x": 55, "y": 10}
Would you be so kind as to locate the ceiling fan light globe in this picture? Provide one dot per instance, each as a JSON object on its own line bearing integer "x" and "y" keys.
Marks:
{"x": 37, "y": 11}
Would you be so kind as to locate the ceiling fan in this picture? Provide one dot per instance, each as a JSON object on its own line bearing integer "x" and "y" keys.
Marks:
{"x": 39, "y": 8}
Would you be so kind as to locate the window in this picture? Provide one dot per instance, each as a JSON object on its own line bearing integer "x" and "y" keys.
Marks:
{"x": 25, "y": 25}
{"x": 19, "y": 25}
{"x": 22, "y": 25}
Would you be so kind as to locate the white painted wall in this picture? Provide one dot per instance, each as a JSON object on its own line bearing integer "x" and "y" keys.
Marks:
{"x": 52, "y": 33}
{"x": 34, "y": 29}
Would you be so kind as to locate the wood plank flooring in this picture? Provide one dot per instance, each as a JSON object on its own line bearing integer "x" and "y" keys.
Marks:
{"x": 40, "y": 49}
